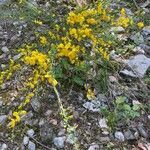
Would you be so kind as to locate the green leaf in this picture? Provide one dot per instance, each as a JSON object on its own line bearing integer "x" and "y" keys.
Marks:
{"x": 127, "y": 107}
{"x": 136, "y": 107}
{"x": 120, "y": 100}
{"x": 78, "y": 80}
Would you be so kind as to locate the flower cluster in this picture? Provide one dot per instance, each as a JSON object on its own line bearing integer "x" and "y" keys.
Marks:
{"x": 124, "y": 20}
{"x": 9, "y": 72}
{"x": 81, "y": 28}
{"x": 16, "y": 117}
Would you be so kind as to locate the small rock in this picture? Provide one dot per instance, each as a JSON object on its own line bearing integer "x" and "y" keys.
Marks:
{"x": 129, "y": 12}
{"x": 146, "y": 31}
{"x": 104, "y": 139}
{"x": 136, "y": 135}
{"x": 71, "y": 139}
{"x": 35, "y": 103}
{"x": 139, "y": 63}
{"x": 25, "y": 140}
{"x": 128, "y": 135}
{"x": 119, "y": 136}
{"x": 59, "y": 142}
{"x": 97, "y": 104}
{"x": 103, "y": 126}
{"x": 113, "y": 79}
{"x": 3, "y": 146}
{"x": 146, "y": 48}
{"x": 3, "y": 119}
{"x": 16, "y": 57}
{"x": 91, "y": 106}
{"x": 30, "y": 133}
{"x": 138, "y": 50}
{"x": 128, "y": 73}
{"x": 5, "y": 49}
{"x": 94, "y": 147}
{"x": 46, "y": 132}
{"x": 102, "y": 123}
{"x": 137, "y": 38}
{"x": 142, "y": 131}
{"x": 48, "y": 113}
{"x": 117, "y": 29}
{"x": 42, "y": 122}
{"x": 31, "y": 146}
{"x": 61, "y": 132}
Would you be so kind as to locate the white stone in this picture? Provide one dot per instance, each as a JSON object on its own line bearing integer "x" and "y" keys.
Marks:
{"x": 30, "y": 133}
{"x": 59, "y": 142}
{"x": 119, "y": 136}
{"x": 25, "y": 140}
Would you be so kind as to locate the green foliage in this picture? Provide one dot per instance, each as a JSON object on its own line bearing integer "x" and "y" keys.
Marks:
{"x": 122, "y": 112}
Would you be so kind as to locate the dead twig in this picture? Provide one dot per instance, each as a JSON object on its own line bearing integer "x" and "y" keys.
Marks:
{"x": 35, "y": 140}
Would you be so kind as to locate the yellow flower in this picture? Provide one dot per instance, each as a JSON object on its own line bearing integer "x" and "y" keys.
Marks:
{"x": 68, "y": 50}
{"x": 73, "y": 32}
{"x": 104, "y": 54}
{"x": 140, "y": 25}
{"x": 75, "y": 18}
{"x": 90, "y": 94}
{"x": 51, "y": 80}
{"x": 38, "y": 22}
{"x": 123, "y": 12}
{"x": 43, "y": 40}
{"x": 91, "y": 21}
{"x": 16, "y": 115}
{"x": 12, "y": 123}
{"x": 22, "y": 112}
{"x": 22, "y": 1}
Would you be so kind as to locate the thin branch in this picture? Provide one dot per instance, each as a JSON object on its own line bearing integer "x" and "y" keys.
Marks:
{"x": 136, "y": 4}
{"x": 41, "y": 143}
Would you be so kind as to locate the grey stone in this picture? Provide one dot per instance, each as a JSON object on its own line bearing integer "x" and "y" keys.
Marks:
{"x": 3, "y": 119}
{"x": 147, "y": 41}
{"x": 25, "y": 140}
{"x": 97, "y": 104}
{"x": 3, "y": 2}
{"x": 128, "y": 73}
{"x": 94, "y": 147}
{"x": 104, "y": 139}
{"x": 35, "y": 103}
{"x": 31, "y": 146}
{"x": 139, "y": 63}
{"x": 5, "y": 49}
{"x": 119, "y": 136}
{"x": 146, "y": 31}
{"x": 138, "y": 50}
{"x": 117, "y": 29}
{"x": 129, "y": 12}
{"x": 71, "y": 139}
{"x": 128, "y": 135}
{"x": 59, "y": 142}
{"x": 16, "y": 57}
{"x": 142, "y": 131}
{"x": 3, "y": 147}
{"x": 30, "y": 133}
{"x": 137, "y": 38}
{"x": 113, "y": 79}
{"x": 46, "y": 132}
{"x": 48, "y": 113}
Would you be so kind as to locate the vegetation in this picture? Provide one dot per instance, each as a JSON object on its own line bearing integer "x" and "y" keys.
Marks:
{"x": 71, "y": 48}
